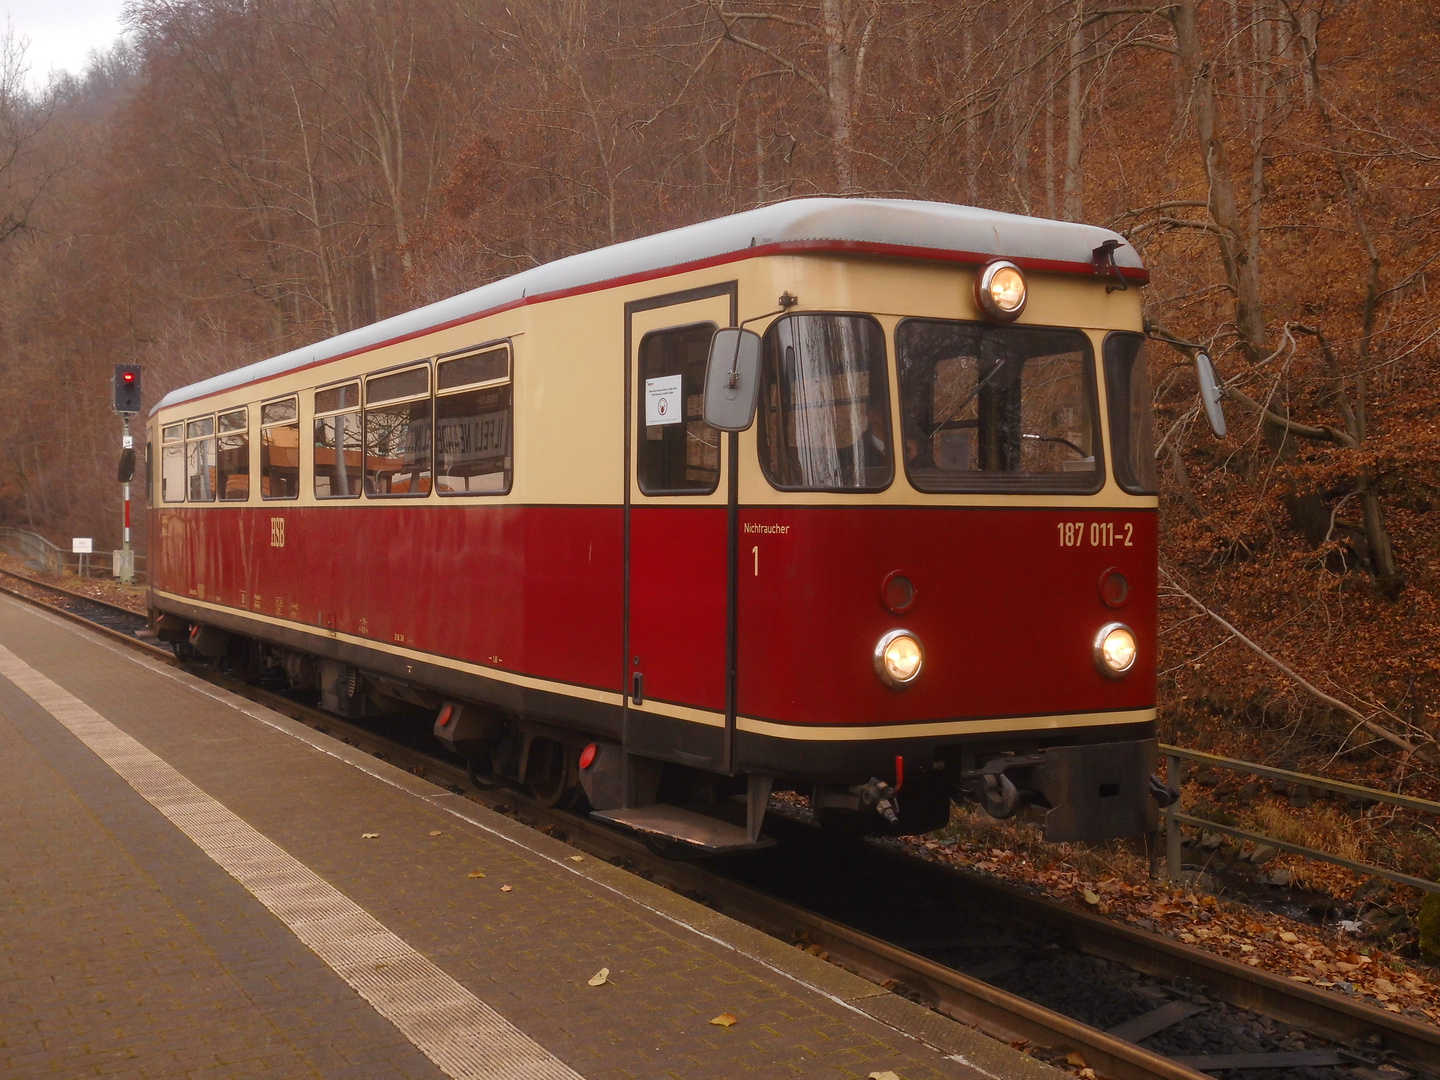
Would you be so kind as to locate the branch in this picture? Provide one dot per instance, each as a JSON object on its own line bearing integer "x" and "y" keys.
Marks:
{"x": 1365, "y": 722}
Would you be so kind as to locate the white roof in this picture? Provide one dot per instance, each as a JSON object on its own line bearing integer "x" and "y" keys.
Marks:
{"x": 938, "y": 230}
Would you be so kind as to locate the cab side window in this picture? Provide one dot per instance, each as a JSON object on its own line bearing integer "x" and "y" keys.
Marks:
{"x": 678, "y": 453}
{"x": 474, "y": 406}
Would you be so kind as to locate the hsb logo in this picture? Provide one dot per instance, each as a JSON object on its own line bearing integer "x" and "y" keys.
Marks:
{"x": 277, "y": 532}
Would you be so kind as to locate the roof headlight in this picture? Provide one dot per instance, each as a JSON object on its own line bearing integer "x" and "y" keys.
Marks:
{"x": 1000, "y": 290}
{"x": 1115, "y": 649}
{"x": 899, "y": 658}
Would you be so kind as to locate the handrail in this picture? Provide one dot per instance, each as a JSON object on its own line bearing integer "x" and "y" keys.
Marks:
{"x": 1174, "y": 818}
{"x": 1425, "y": 806}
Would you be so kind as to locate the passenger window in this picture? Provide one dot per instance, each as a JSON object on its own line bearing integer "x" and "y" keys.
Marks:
{"x": 473, "y": 412}
{"x": 172, "y": 464}
{"x": 279, "y": 449}
{"x": 988, "y": 408}
{"x": 679, "y": 454}
{"x": 397, "y": 433}
{"x": 200, "y": 458}
{"x": 825, "y": 404}
{"x": 337, "y": 442}
{"x": 1132, "y": 419}
{"x": 232, "y": 460}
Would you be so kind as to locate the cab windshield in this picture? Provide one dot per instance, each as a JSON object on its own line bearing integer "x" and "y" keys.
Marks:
{"x": 825, "y": 404}
{"x": 987, "y": 408}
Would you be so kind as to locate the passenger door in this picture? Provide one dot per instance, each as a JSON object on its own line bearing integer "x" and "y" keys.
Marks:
{"x": 678, "y": 655}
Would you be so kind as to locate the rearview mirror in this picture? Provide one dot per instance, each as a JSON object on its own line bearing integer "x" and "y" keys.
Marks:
{"x": 126, "y": 472}
{"x": 1210, "y": 393}
{"x": 732, "y": 379}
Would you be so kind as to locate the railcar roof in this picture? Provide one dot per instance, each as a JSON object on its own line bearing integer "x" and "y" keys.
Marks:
{"x": 875, "y": 226}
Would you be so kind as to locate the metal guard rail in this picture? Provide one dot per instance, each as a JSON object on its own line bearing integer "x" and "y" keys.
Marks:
{"x": 40, "y": 554}
{"x": 1175, "y": 755}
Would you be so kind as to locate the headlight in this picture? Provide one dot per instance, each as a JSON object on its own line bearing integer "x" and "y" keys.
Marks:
{"x": 898, "y": 658}
{"x": 1115, "y": 649}
{"x": 1000, "y": 290}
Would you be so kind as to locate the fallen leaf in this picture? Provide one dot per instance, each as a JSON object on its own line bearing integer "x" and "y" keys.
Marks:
{"x": 1091, "y": 897}
{"x": 1074, "y": 1057}
{"x": 886, "y": 1075}
{"x": 434, "y": 832}
{"x": 477, "y": 873}
{"x": 370, "y": 836}
{"x": 577, "y": 858}
{"x": 725, "y": 1020}
{"x": 1289, "y": 938}
{"x": 505, "y": 888}
{"x": 600, "y": 977}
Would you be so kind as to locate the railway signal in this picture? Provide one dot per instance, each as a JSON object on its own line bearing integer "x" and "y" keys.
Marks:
{"x": 127, "y": 389}
{"x": 127, "y": 404}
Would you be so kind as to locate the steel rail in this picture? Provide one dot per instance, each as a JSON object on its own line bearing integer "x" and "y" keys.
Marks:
{"x": 153, "y": 651}
{"x": 950, "y": 992}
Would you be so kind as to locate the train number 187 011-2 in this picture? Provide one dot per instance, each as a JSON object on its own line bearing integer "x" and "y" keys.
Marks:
{"x": 1095, "y": 534}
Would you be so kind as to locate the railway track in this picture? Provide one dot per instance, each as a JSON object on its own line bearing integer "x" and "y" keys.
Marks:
{"x": 1162, "y": 986}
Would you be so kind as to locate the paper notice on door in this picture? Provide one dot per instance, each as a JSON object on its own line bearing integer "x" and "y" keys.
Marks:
{"x": 663, "y": 403}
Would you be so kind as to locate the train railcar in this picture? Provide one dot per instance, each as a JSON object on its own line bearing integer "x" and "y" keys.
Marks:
{"x": 849, "y": 497}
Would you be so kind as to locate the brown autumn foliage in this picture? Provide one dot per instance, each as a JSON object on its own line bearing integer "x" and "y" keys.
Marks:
{"x": 246, "y": 177}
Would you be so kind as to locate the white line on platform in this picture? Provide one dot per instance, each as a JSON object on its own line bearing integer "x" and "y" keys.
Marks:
{"x": 448, "y": 1024}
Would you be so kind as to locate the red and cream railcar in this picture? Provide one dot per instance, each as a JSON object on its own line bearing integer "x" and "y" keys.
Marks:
{"x": 929, "y": 564}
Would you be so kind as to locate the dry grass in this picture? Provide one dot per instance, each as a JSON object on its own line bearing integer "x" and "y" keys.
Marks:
{"x": 1321, "y": 828}
{"x": 1117, "y": 859}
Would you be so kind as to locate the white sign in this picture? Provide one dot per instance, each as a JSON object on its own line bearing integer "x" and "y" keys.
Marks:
{"x": 81, "y": 545}
{"x": 663, "y": 401}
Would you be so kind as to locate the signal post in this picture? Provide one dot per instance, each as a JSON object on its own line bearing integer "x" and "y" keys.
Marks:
{"x": 126, "y": 405}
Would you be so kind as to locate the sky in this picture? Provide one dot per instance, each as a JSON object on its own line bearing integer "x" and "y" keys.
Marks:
{"x": 62, "y": 33}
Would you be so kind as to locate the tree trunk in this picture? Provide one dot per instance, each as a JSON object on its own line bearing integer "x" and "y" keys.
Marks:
{"x": 838, "y": 71}
{"x": 1074, "y": 117}
{"x": 1382, "y": 556}
{"x": 1241, "y": 271}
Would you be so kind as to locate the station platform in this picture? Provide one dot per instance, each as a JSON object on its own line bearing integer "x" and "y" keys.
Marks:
{"x": 194, "y": 886}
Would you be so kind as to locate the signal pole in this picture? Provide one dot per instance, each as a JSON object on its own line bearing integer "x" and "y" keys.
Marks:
{"x": 127, "y": 405}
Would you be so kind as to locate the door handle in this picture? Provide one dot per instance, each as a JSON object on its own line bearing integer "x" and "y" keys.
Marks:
{"x": 637, "y": 688}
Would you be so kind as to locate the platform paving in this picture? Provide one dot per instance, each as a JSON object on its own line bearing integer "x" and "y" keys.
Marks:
{"x": 127, "y": 950}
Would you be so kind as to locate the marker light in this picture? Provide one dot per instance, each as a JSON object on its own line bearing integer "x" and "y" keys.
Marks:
{"x": 1114, "y": 649}
{"x": 898, "y": 658}
{"x": 1000, "y": 290}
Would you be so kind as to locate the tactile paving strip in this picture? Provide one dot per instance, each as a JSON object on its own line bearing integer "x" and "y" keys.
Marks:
{"x": 456, "y": 1030}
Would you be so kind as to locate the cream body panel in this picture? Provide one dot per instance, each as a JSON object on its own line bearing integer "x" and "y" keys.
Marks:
{"x": 568, "y": 375}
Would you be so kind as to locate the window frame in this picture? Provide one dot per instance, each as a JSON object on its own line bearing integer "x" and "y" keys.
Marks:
{"x": 437, "y": 393}
{"x": 316, "y": 415}
{"x": 640, "y": 424}
{"x": 887, "y": 368}
{"x": 1118, "y": 410}
{"x": 243, "y": 433}
{"x": 191, "y": 440}
{"x": 404, "y": 399}
{"x": 263, "y": 428}
{"x": 992, "y": 483}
